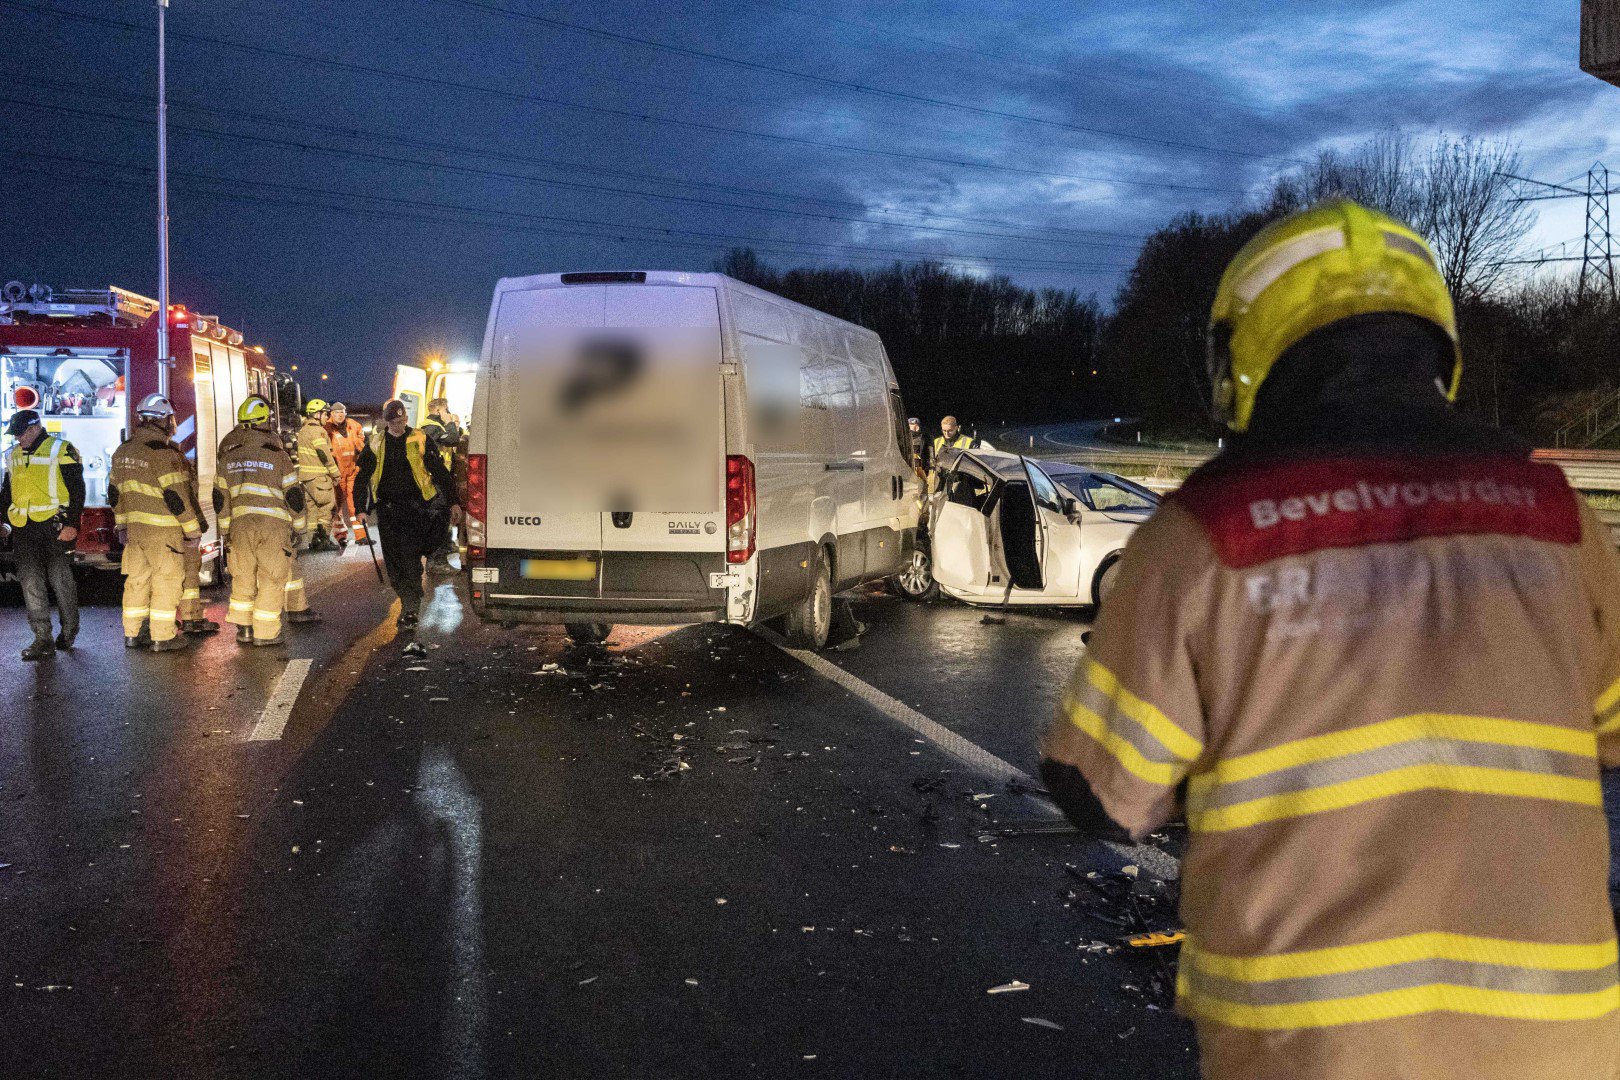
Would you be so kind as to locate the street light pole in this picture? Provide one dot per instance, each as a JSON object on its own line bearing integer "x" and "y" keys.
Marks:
{"x": 164, "y": 360}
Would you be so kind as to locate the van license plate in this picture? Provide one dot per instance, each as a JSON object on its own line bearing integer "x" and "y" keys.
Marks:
{"x": 559, "y": 569}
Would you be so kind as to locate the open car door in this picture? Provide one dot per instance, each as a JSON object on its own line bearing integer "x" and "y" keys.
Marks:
{"x": 1060, "y": 548}
{"x": 960, "y": 527}
{"x": 1019, "y": 535}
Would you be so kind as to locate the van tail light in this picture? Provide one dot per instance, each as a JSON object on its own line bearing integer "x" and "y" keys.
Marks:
{"x": 96, "y": 532}
{"x": 740, "y": 509}
{"x": 477, "y": 499}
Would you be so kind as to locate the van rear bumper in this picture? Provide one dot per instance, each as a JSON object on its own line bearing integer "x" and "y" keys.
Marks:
{"x": 507, "y": 609}
{"x": 631, "y": 588}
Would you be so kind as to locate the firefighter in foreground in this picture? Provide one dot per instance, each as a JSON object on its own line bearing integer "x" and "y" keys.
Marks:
{"x": 43, "y": 494}
{"x": 318, "y": 472}
{"x": 1377, "y": 647}
{"x": 260, "y": 506}
{"x": 404, "y": 482}
{"x": 151, "y": 494}
{"x": 347, "y": 439}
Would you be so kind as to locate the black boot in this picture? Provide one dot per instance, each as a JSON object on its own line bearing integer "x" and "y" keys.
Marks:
{"x": 308, "y": 615}
{"x": 41, "y": 648}
{"x": 198, "y": 627}
{"x": 66, "y": 638}
{"x": 279, "y": 639}
{"x": 177, "y": 642}
{"x": 244, "y": 635}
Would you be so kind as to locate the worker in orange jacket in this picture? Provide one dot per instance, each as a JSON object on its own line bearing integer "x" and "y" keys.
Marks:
{"x": 348, "y": 438}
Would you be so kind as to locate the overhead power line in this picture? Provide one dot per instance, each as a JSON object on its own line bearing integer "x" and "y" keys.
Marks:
{"x": 469, "y": 170}
{"x": 850, "y": 85}
{"x": 625, "y": 228}
{"x": 103, "y": 91}
{"x": 602, "y": 110}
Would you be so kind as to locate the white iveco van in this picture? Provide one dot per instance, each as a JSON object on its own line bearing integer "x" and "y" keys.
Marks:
{"x": 662, "y": 448}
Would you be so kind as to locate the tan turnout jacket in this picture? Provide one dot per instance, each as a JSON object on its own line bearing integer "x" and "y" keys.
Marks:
{"x": 252, "y": 477}
{"x": 1387, "y": 684}
{"x": 152, "y": 485}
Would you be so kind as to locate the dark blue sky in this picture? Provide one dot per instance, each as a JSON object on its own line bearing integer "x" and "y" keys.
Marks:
{"x": 1039, "y": 139}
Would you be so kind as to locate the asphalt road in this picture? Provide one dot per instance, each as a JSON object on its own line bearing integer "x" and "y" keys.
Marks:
{"x": 689, "y": 854}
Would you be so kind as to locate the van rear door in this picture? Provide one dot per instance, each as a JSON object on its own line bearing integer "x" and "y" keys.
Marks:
{"x": 666, "y": 464}
{"x": 541, "y": 546}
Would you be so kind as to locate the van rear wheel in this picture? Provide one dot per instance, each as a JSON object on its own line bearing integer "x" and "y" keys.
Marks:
{"x": 589, "y": 633}
{"x": 810, "y": 621}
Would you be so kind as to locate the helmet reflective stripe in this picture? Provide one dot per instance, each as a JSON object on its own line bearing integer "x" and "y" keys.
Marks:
{"x": 154, "y": 405}
{"x": 1284, "y": 258}
{"x": 1308, "y": 271}
{"x": 255, "y": 410}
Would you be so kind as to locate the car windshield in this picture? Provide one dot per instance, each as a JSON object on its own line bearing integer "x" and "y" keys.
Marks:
{"x": 1113, "y": 493}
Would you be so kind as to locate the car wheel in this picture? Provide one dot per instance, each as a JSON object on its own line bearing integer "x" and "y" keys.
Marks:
{"x": 810, "y": 621}
{"x": 916, "y": 581}
{"x": 1105, "y": 581}
{"x": 589, "y": 633}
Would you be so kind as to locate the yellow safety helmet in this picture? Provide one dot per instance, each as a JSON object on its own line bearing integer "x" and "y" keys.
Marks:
{"x": 315, "y": 407}
{"x": 1309, "y": 270}
{"x": 254, "y": 411}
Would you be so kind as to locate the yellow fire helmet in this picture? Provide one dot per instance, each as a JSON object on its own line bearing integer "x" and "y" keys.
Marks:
{"x": 254, "y": 411}
{"x": 315, "y": 407}
{"x": 1309, "y": 270}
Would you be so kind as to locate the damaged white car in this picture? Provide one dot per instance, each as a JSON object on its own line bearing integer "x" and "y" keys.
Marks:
{"x": 1006, "y": 529}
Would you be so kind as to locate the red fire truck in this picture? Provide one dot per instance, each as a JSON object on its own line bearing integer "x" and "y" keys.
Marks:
{"x": 84, "y": 358}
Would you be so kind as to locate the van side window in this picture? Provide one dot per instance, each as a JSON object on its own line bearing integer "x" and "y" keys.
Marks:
{"x": 902, "y": 433}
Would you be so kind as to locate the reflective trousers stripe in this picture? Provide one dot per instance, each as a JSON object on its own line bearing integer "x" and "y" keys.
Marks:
{"x": 141, "y": 517}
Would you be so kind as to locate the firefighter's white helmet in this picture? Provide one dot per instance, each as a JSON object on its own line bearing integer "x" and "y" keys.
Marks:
{"x": 154, "y": 407}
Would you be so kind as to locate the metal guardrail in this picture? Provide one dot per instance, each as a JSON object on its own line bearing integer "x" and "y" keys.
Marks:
{"x": 1588, "y": 470}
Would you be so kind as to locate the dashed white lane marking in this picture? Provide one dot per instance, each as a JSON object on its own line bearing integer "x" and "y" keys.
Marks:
{"x": 964, "y": 750}
{"x": 273, "y": 721}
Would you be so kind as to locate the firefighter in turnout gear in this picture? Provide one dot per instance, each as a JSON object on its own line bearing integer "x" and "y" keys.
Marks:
{"x": 151, "y": 495}
{"x": 43, "y": 496}
{"x": 193, "y": 617}
{"x": 260, "y": 505}
{"x": 318, "y": 473}
{"x": 1372, "y": 651}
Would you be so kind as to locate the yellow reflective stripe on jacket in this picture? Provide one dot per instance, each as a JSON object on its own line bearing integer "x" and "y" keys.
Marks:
{"x": 264, "y": 511}
{"x": 37, "y": 485}
{"x": 238, "y": 490}
{"x": 1148, "y": 744}
{"x": 141, "y": 517}
{"x": 1398, "y": 977}
{"x": 137, "y": 487}
{"x": 1607, "y": 710}
{"x": 1427, "y": 752}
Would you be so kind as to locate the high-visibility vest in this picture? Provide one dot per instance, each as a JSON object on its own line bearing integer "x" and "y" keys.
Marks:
{"x": 961, "y": 442}
{"x": 38, "y": 491}
{"x": 435, "y": 430}
{"x": 416, "y": 449}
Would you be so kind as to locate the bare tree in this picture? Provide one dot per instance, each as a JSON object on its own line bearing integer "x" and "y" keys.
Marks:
{"x": 1457, "y": 194}
{"x": 1472, "y": 218}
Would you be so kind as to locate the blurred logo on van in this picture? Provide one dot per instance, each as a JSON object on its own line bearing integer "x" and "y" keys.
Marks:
{"x": 685, "y": 528}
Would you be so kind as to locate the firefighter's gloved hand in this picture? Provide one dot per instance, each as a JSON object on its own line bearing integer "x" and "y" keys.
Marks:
{"x": 122, "y": 533}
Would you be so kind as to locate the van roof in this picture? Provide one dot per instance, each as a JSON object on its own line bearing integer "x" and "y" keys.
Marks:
{"x": 668, "y": 277}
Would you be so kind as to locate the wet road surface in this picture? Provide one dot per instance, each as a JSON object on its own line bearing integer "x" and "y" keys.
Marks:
{"x": 687, "y": 854}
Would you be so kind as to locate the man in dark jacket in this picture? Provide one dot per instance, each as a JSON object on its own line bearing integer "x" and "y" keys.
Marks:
{"x": 404, "y": 484}
{"x": 43, "y": 498}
